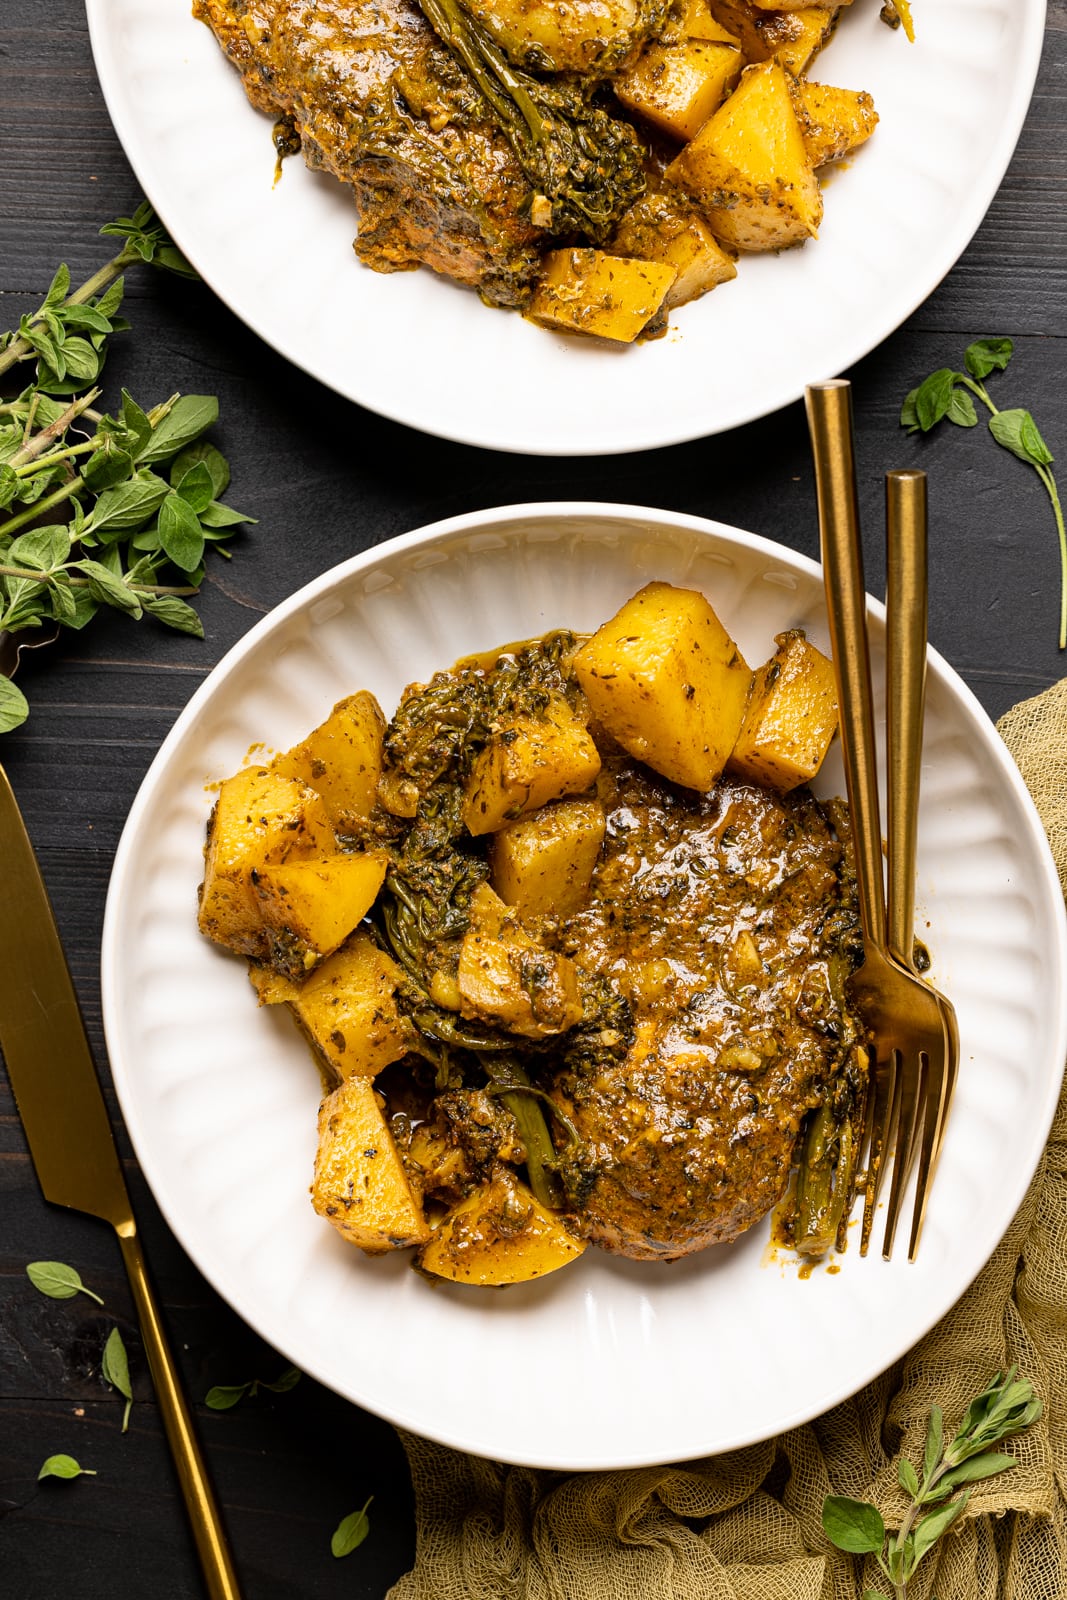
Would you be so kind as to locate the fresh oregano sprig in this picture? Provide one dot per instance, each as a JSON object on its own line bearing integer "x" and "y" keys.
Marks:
{"x": 939, "y": 1496}
{"x": 947, "y": 394}
{"x": 135, "y": 498}
{"x": 224, "y": 1396}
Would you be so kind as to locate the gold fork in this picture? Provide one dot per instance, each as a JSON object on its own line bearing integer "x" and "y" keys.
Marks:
{"x": 893, "y": 1002}
{"x": 923, "y": 1098}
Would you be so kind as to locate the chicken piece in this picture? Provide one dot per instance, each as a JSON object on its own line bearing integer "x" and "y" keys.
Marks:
{"x": 380, "y": 103}
{"x": 721, "y": 918}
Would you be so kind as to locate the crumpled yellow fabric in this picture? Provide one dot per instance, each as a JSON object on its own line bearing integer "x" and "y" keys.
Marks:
{"x": 747, "y": 1525}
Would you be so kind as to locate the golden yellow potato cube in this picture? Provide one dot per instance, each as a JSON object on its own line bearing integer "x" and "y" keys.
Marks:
{"x": 505, "y": 977}
{"x": 749, "y": 170}
{"x": 527, "y": 763}
{"x": 260, "y": 818}
{"x": 341, "y": 759}
{"x": 698, "y": 23}
{"x": 668, "y": 682}
{"x": 310, "y": 907}
{"x": 589, "y": 291}
{"x": 816, "y": 24}
{"x": 543, "y": 864}
{"x": 833, "y": 122}
{"x": 790, "y": 35}
{"x": 499, "y": 1234}
{"x": 791, "y": 716}
{"x": 561, "y": 35}
{"x": 347, "y": 1009}
{"x": 676, "y": 87}
{"x": 360, "y": 1184}
{"x": 666, "y": 227}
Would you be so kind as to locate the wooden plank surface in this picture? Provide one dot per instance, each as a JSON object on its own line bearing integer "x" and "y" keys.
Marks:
{"x": 290, "y": 1466}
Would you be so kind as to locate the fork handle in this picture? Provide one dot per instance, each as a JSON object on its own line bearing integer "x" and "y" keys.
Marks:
{"x": 906, "y": 621}
{"x": 830, "y": 422}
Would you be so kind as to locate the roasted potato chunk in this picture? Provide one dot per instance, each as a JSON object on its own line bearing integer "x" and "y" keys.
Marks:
{"x": 360, "y": 1184}
{"x": 308, "y": 908}
{"x": 504, "y": 976}
{"x": 346, "y": 1009}
{"x": 590, "y": 291}
{"x": 833, "y": 122}
{"x": 790, "y": 35}
{"x": 563, "y": 35}
{"x": 668, "y": 682}
{"x": 527, "y": 763}
{"x": 260, "y": 819}
{"x": 698, "y": 23}
{"x": 666, "y": 227}
{"x": 543, "y": 864}
{"x": 676, "y": 87}
{"x": 341, "y": 759}
{"x": 791, "y": 716}
{"x": 749, "y": 170}
{"x": 499, "y": 1234}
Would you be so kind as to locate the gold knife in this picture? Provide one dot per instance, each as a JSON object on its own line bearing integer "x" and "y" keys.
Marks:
{"x": 61, "y": 1104}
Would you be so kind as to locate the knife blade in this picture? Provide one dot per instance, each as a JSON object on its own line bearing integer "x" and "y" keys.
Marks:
{"x": 61, "y": 1104}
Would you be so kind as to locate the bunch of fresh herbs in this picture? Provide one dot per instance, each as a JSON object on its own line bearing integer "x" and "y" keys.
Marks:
{"x": 948, "y": 395}
{"x": 940, "y": 1495}
{"x": 99, "y": 510}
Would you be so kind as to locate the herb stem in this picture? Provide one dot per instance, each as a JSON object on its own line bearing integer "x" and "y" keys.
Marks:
{"x": 84, "y": 583}
{"x": 977, "y": 389}
{"x": 1057, "y": 511}
{"x": 30, "y": 453}
{"x": 19, "y": 349}
{"x": 64, "y": 492}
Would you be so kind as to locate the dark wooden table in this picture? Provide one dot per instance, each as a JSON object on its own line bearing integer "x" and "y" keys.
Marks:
{"x": 326, "y": 481}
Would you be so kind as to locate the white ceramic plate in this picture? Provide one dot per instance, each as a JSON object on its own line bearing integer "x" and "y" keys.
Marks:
{"x": 417, "y": 348}
{"x": 609, "y": 1362}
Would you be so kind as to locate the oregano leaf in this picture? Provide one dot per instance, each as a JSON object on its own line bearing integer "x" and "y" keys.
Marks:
{"x": 115, "y": 1367}
{"x": 55, "y": 1278}
{"x": 351, "y": 1531}
{"x": 853, "y": 1525}
{"x": 64, "y": 1467}
{"x": 987, "y": 355}
{"x": 189, "y": 417}
{"x": 223, "y": 1397}
{"x": 180, "y": 533}
{"x": 173, "y": 613}
{"x": 933, "y": 397}
{"x": 961, "y": 409}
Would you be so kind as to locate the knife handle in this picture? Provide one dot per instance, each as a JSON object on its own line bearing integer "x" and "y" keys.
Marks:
{"x": 204, "y": 1516}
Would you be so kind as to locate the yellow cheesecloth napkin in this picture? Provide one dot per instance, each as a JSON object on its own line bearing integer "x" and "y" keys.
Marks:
{"x": 747, "y": 1525}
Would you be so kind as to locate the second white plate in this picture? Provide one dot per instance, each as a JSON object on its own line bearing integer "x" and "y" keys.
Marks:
{"x": 610, "y": 1362}
{"x": 418, "y": 349}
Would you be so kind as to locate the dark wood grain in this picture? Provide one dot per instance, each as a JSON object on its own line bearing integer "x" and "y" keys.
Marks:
{"x": 326, "y": 480}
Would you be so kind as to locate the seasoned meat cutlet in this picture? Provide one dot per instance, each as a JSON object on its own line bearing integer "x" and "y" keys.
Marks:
{"x": 724, "y": 921}
{"x": 381, "y": 104}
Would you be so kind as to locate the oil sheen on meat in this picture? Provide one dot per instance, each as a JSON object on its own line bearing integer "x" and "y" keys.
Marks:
{"x": 381, "y": 104}
{"x": 723, "y": 919}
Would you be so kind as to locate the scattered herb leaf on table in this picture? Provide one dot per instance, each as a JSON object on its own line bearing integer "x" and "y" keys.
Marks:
{"x": 947, "y": 394}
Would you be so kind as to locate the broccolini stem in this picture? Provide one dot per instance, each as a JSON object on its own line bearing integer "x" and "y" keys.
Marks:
{"x": 824, "y": 1180}
{"x": 588, "y": 165}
